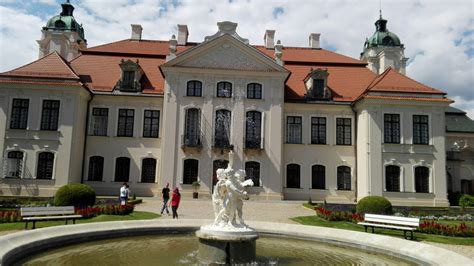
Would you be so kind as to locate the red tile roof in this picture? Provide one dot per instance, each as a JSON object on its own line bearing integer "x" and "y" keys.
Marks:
{"x": 51, "y": 66}
{"x": 392, "y": 81}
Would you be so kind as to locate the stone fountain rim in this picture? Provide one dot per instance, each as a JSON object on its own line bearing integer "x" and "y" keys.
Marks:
{"x": 18, "y": 245}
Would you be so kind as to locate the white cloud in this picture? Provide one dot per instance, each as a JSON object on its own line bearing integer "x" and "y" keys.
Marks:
{"x": 433, "y": 31}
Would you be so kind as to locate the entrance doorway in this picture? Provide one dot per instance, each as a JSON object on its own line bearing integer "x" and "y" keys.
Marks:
{"x": 216, "y": 165}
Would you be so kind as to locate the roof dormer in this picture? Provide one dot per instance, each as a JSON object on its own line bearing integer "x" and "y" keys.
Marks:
{"x": 316, "y": 85}
{"x": 130, "y": 76}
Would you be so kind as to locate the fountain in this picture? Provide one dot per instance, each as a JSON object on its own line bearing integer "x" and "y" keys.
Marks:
{"x": 228, "y": 239}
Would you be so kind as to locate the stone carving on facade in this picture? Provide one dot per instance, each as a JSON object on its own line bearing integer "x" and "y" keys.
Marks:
{"x": 226, "y": 27}
{"x": 226, "y": 58}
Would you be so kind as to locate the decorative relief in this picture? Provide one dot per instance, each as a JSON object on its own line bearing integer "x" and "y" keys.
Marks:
{"x": 226, "y": 58}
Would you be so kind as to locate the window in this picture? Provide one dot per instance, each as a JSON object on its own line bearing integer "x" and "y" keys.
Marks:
{"x": 19, "y": 115}
{"x": 343, "y": 178}
{"x": 122, "y": 169}
{"x": 128, "y": 78}
{"x": 392, "y": 178}
{"x": 100, "y": 117}
{"x": 192, "y": 128}
{"x": 45, "y": 165}
{"x": 422, "y": 179}
{"x": 194, "y": 88}
{"x": 148, "y": 170}
{"x": 391, "y": 128}
{"x": 252, "y": 169}
{"x": 318, "y": 177}
{"x": 254, "y": 91}
{"x": 190, "y": 171}
{"x": 222, "y": 128}
{"x": 293, "y": 129}
{"x": 420, "y": 129}
{"x": 253, "y": 130}
{"x": 14, "y": 164}
{"x": 125, "y": 123}
{"x": 318, "y": 88}
{"x": 293, "y": 176}
{"x": 343, "y": 131}
{"x": 224, "y": 89}
{"x": 96, "y": 168}
{"x": 318, "y": 130}
{"x": 151, "y": 124}
{"x": 50, "y": 115}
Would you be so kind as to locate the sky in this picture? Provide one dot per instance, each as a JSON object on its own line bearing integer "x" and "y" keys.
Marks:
{"x": 437, "y": 34}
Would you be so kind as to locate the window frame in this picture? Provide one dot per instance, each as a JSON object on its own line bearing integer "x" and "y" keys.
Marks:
{"x": 45, "y": 160}
{"x": 390, "y": 134}
{"x": 314, "y": 178}
{"x": 117, "y": 169}
{"x": 428, "y": 179}
{"x": 90, "y": 175}
{"x": 317, "y": 126}
{"x": 96, "y": 131}
{"x": 254, "y": 91}
{"x": 219, "y": 91}
{"x": 149, "y": 133}
{"x": 344, "y": 131}
{"x": 252, "y": 137}
{"x": 22, "y": 117}
{"x": 287, "y": 127}
{"x": 20, "y": 163}
{"x": 191, "y": 178}
{"x": 194, "y": 89}
{"x": 223, "y": 142}
{"x": 196, "y": 137}
{"x": 287, "y": 175}
{"x": 143, "y": 173}
{"x": 50, "y": 125}
{"x": 344, "y": 181}
{"x": 259, "y": 182}
{"x": 127, "y": 124}
{"x": 387, "y": 177}
{"x": 420, "y": 130}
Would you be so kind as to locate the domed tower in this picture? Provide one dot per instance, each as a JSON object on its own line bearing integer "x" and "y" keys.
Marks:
{"x": 63, "y": 34}
{"x": 384, "y": 50}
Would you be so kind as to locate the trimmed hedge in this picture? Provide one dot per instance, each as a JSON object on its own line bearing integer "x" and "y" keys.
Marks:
{"x": 77, "y": 195}
{"x": 466, "y": 200}
{"x": 374, "y": 205}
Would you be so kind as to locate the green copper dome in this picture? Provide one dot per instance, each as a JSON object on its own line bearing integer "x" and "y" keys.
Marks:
{"x": 382, "y": 37}
{"x": 65, "y": 21}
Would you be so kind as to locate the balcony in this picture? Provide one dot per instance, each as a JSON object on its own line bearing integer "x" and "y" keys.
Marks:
{"x": 191, "y": 141}
{"x": 221, "y": 142}
{"x": 253, "y": 143}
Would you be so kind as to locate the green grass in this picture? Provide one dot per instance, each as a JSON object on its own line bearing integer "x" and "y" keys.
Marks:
{"x": 316, "y": 221}
{"x": 136, "y": 215}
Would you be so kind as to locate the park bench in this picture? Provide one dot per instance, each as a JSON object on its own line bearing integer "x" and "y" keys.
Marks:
{"x": 391, "y": 222}
{"x": 34, "y": 214}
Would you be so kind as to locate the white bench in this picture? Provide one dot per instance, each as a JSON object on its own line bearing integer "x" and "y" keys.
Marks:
{"x": 34, "y": 214}
{"x": 391, "y": 222}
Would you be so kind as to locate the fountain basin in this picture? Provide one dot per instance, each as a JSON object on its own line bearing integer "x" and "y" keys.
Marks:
{"x": 21, "y": 244}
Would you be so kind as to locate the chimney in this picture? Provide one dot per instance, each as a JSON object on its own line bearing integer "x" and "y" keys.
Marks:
{"x": 136, "y": 32}
{"x": 279, "y": 53}
{"x": 269, "y": 39}
{"x": 314, "y": 40}
{"x": 182, "y": 34}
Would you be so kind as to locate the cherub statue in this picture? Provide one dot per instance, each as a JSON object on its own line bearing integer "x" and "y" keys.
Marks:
{"x": 235, "y": 193}
{"x": 218, "y": 197}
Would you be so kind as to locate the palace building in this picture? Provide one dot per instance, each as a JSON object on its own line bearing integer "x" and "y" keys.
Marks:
{"x": 304, "y": 122}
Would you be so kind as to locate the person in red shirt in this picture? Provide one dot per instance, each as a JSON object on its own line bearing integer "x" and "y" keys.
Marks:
{"x": 175, "y": 199}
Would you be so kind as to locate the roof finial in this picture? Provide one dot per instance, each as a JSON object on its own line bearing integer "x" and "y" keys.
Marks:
{"x": 380, "y": 8}
{"x": 67, "y": 2}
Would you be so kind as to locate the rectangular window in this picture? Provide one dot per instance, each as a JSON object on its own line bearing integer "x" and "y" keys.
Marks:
{"x": 318, "y": 130}
{"x": 151, "y": 124}
{"x": 100, "y": 117}
{"x": 318, "y": 88}
{"x": 125, "y": 123}
{"x": 293, "y": 129}
{"x": 128, "y": 78}
{"x": 19, "y": 115}
{"x": 420, "y": 129}
{"x": 50, "y": 115}
{"x": 343, "y": 131}
{"x": 391, "y": 128}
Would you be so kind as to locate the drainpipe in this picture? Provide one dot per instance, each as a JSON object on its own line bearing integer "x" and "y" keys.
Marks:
{"x": 85, "y": 137}
{"x": 355, "y": 147}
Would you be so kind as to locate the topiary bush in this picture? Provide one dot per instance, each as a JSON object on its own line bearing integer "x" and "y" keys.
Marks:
{"x": 374, "y": 205}
{"x": 466, "y": 200}
{"x": 77, "y": 195}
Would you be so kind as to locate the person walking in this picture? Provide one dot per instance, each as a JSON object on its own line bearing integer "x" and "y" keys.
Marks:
{"x": 124, "y": 192}
{"x": 175, "y": 199}
{"x": 166, "y": 198}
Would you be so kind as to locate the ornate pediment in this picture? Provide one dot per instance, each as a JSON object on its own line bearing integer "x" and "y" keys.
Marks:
{"x": 226, "y": 56}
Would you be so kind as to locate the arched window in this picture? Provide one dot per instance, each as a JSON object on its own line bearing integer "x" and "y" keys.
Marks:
{"x": 148, "y": 170}
{"x": 190, "y": 171}
{"x": 192, "y": 128}
{"x": 343, "y": 178}
{"x": 194, "y": 88}
{"x": 222, "y": 128}
{"x": 96, "y": 168}
{"x": 122, "y": 169}
{"x": 253, "y": 130}
{"x": 254, "y": 91}
{"x": 422, "y": 181}
{"x": 14, "y": 164}
{"x": 293, "y": 176}
{"x": 224, "y": 89}
{"x": 45, "y": 165}
{"x": 318, "y": 177}
{"x": 392, "y": 178}
{"x": 252, "y": 170}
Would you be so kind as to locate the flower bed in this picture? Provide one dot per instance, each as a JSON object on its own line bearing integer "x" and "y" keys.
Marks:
{"x": 432, "y": 227}
{"x": 338, "y": 215}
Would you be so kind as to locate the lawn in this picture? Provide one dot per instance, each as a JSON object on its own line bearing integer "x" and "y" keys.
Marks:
{"x": 316, "y": 221}
{"x": 136, "y": 215}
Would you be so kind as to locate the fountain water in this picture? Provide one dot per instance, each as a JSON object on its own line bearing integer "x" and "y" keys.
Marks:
{"x": 228, "y": 239}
